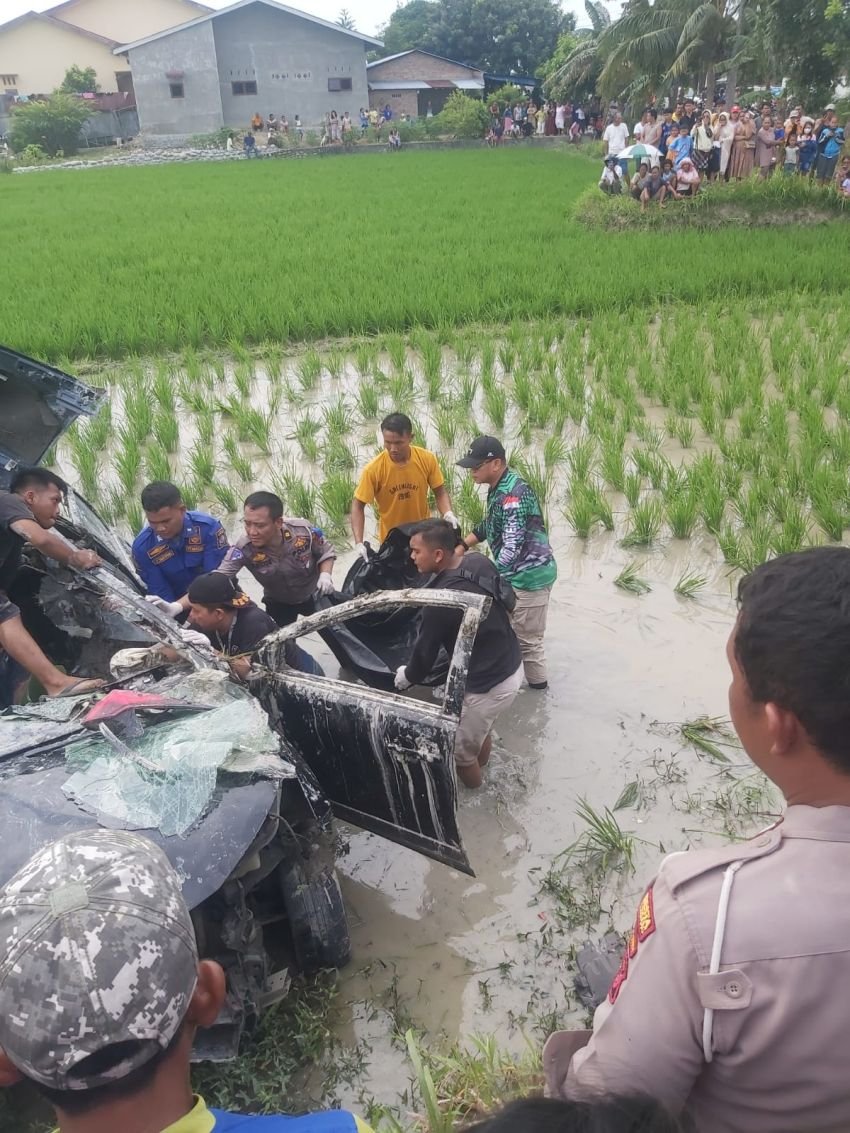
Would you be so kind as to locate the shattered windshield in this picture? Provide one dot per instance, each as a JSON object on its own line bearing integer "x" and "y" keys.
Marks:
{"x": 164, "y": 778}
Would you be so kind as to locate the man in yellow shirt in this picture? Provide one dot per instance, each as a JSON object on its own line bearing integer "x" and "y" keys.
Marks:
{"x": 102, "y": 990}
{"x": 397, "y": 480}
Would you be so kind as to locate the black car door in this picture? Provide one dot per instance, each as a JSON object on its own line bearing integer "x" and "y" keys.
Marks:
{"x": 384, "y": 760}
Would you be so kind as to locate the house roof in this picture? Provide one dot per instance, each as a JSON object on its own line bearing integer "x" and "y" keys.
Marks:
{"x": 419, "y": 51}
{"x": 48, "y": 18}
{"x": 426, "y": 84}
{"x": 244, "y": 4}
{"x": 58, "y": 9}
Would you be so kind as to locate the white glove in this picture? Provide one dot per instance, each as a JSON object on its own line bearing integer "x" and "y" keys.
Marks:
{"x": 450, "y": 517}
{"x": 196, "y": 638}
{"x": 401, "y": 681}
{"x": 363, "y": 551}
{"x": 325, "y": 584}
{"x": 170, "y": 609}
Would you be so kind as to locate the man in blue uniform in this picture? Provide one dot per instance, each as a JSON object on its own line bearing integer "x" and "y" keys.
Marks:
{"x": 176, "y": 547}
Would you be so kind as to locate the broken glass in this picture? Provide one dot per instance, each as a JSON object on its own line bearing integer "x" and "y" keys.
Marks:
{"x": 165, "y": 778}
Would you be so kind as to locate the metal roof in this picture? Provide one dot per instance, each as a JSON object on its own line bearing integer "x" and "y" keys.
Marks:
{"x": 244, "y": 4}
{"x": 419, "y": 51}
{"x": 425, "y": 84}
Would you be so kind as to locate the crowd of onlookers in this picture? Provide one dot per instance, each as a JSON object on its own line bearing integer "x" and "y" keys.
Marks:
{"x": 677, "y": 150}
{"x": 336, "y": 129}
{"x": 549, "y": 119}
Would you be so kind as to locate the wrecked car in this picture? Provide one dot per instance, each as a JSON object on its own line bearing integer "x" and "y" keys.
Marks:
{"x": 238, "y": 785}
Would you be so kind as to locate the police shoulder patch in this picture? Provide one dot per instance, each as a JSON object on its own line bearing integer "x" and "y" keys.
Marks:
{"x": 221, "y": 538}
{"x": 239, "y": 601}
{"x": 645, "y": 921}
{"x": 644, "y": 927}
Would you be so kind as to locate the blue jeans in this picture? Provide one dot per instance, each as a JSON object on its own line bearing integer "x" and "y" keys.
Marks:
{"x": 623, "y": 163}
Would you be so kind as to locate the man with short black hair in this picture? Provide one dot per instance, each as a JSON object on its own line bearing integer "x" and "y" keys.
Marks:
{"x": 176, "y": 546}
{"x": 28, "y": 511}
{"x": 397, "y": 481}
{"x": 102, "y": 991}
{"x": 515, "y": 530}
{"x": 290, "y": 558}
{"x": 740, "y": 956}
{"x": 495, "y": 664}
{"x": 688, "y": 118}
{"x": 234, "y": 626}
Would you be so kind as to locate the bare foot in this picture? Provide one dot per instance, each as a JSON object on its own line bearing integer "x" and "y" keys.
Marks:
{"x": 74, "y": 686}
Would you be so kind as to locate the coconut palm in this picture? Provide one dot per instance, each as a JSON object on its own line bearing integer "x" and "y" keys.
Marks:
{"x": 579, "y": 72}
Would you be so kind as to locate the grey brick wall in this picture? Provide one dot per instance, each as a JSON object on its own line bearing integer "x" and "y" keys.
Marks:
{"x": 273, "y": 49}
{"x": 420, "y": 66}
{"x": 191, "y": 51}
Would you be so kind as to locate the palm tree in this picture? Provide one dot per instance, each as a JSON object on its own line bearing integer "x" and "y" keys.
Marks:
{"x": 665, "y": 42}
{"x": 579, "y": 72}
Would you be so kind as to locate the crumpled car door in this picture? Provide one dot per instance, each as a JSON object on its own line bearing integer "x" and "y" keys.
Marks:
{"x": 385, "y": 761}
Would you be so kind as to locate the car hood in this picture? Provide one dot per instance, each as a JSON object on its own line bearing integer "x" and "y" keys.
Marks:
{"x": 37, "y": 404}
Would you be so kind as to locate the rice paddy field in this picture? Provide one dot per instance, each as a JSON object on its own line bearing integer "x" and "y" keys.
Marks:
{"x": 681, "y": 403}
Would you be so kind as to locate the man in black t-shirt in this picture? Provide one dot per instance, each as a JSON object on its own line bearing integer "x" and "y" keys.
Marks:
{"x": 234, "y": 625}
{"x": 495, "y": 664}
{"x": 27, "y": 513}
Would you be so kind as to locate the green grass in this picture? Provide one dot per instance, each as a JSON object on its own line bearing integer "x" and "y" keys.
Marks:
{"x": 447, "y": 264}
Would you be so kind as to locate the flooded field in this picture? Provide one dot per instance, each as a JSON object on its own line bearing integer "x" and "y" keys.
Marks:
{"x": 669, "y": 461}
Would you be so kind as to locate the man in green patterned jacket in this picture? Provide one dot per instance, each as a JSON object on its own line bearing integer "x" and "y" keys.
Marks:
{"x": 514, "y": 528}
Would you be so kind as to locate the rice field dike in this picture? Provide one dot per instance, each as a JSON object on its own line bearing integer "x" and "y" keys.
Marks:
{"x": 111, "y": 262}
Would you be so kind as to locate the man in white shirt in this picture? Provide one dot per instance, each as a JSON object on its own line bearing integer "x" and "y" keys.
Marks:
{"x": 616, "y": 137}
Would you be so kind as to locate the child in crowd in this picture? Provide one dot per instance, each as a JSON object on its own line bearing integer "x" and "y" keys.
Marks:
{"x": 807, "y": 149}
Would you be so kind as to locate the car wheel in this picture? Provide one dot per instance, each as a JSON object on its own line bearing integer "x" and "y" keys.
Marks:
{"x": 317, "y": 919}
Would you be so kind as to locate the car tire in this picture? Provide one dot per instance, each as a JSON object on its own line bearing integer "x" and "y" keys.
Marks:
{"x": 317, "y": 918}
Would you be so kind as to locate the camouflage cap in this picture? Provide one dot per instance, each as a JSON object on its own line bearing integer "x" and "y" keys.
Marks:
{"x": 96, "y": 948}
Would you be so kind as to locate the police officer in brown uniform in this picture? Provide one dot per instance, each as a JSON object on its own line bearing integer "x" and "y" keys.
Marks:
{"x": 290, "y": 558}
{"x": 733, "y": 996}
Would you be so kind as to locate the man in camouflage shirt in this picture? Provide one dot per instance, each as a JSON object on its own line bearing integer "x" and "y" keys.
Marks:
{"x": 102, "y": 990}
{"x": 514, "y": 528}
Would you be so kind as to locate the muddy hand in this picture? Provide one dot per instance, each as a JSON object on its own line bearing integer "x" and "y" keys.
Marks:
{"x": 85, "y": 560}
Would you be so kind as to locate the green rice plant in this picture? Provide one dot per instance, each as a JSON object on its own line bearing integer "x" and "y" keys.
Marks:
{"x": 237, "y": 460}
{"x": 555, "y": 451}
{"x": 135, "y": 517}
{"x": 507, "y": 357}
{"x": 540, "y": 411}
{"x": 396, "y": 348}
{"x": 469, "y": 506}
{"x": 335, "y": 494}
{"x": 826, "y": 494}
{"x": 682, "y": 428}
{"x": 612, "y": 464}
{"x": 138, "y": 413}
{"x": 335, "y": 362}
{"x": 192, "y": 493}
{"x": 523, "y": 432}
{"x": 488, "y": 359}
{"x": 712, "y": 505}
{"x": 448, "y": 421}
{"x": 523, "y": 390}
{"x": 255, "y": 426}
{"x": 309, "y": 371}
{"x": 644, "y": 523}
{"x": 729, "y": 542}
{"x": 225, "y": 496}
{"x": 690, "y": 584}
{"x": 336, "y": 417}
{"x": 163, "y": 387}
{"x": 201, "y": 463}
{"x": 368, "y": 402}
{"x": 602, "y": 506}
{"x": 166, "y": 430}
{"x": 157, "y": 464}
{"x": 86, "y": 463}
{"x": 495, "y": 401}
{"x": 467, "y": 389}
{"x": 757, "y": 545}
{"x": 708, "y": 416}
{"x": 205, "y": 423}
{"x": 682, "y": 512}
{"x": 306, "y": 433}
{"x": 402, "y": 389}
{"x": 628, "y": 579}
{"x": 651, "y": 436}
{"x": 793, "y": 531}
{"x": 580, "y": 512}
{"x": 98, "y": 429}
{"x": 364, "y": 358}
{"x": 243, "y": 379}
{"x": 128, "y": 463}
{"x": 709, "y": 736}
{"x": 632, "y": 487}
{"x": 271, "y": 355}
{"x": 582, "y": 459}
{"x": 432, "y": 366}
{"x": 337, "y": 455}
{"x": 604, "y": 845}
{"x": 539, "y": 479}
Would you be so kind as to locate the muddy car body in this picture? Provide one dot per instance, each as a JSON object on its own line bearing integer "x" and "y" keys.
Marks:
{"x": 258, "y": 865}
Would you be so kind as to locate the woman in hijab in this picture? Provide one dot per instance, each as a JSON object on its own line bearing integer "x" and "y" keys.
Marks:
{"x": 702, "y": 136}
{"x": 687, "y": 179}
{"x": 724, "y": 135}
{"x": 765, "y": 146}
{"x": 743, "y": 145}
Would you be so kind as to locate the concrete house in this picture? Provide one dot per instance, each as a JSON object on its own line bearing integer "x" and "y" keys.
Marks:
{"x": 255, "y": 55}
{"x": 37, "y": 48}
{"x": 413, "y": 81}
